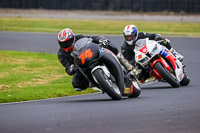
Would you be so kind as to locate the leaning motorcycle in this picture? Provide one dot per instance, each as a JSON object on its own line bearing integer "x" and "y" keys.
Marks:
{"x": 160, "y": 63}
{"x": 102, "y": 68}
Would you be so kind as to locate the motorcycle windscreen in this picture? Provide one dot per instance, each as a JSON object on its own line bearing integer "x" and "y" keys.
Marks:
{"x": 140, "y": 43}
{"x": 82, "y": 43}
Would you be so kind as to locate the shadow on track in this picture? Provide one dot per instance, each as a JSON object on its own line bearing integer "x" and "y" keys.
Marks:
{"x": 97, "y": 100}
{"x": 156, "y": 87}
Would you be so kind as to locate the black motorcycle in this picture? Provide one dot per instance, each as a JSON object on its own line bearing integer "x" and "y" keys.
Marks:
{"x": 102, "y": 68}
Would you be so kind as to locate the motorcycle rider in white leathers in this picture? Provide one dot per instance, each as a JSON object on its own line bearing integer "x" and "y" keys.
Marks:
{"x": 131, "y": 35}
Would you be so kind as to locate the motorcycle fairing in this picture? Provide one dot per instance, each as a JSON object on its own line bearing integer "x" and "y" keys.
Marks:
{"x": 86, "y": 55}
{"x": 168, "y": 55}
{"x": 144, "y": 49}
{"x": 177, "y": 65}
{"x": 112, "y": 63}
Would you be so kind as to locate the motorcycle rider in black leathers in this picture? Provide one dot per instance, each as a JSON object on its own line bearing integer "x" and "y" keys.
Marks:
{"x": 131, "y": 35}
{"x": 66, "y": 39}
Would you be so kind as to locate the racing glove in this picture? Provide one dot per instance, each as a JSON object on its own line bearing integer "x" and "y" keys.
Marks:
{"x": 104, "y": 42}
{"x": 107, "y": 44}
{"x": 158, "y": 37}
{"x": 71, "y": 69}
{"x": 166, "y": 41}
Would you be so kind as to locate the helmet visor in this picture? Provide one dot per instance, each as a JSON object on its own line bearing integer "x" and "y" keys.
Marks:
{"x": 66, "y": 44}
{"x": 129, "y": 37}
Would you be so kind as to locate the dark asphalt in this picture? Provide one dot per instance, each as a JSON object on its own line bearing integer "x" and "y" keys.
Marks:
{"x": 159, "y": 109}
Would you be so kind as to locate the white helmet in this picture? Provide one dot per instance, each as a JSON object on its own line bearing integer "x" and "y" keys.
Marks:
{"x": 130, "y": 34}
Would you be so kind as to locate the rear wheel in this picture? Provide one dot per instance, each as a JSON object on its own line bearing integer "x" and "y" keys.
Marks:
{"x": 169, "y": 77}
{"x": 185, "y": 81}
{"x": 136, "y": 90}
{"x": 107, "y": 84}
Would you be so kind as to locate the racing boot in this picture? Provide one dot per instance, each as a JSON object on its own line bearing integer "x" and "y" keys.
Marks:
{"x": 77, "y": 89}
{"x": 177, "y": 55}
{"x": 124, "y": 62}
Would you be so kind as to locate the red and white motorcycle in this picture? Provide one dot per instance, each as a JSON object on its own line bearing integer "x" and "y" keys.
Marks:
{"x": 160, "y": 62}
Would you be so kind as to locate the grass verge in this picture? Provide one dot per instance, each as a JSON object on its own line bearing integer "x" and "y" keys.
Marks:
{"x": 97, "y": 26}
{"x": 30, "y": 76}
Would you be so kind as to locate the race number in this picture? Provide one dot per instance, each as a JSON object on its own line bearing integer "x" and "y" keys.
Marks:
{"x": 86, "y": 54}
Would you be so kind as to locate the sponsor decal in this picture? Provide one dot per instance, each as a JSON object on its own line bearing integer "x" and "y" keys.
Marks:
{"x": 144, "y": 49}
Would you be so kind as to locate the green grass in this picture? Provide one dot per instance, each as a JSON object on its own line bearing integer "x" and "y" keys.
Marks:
{"x": 97, "y": 26}
{"x": 30, "y": 76}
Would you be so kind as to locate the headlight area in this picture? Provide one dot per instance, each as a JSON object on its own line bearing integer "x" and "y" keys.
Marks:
{"x": 154, "y": 50}
{"x": 143, "y": 60}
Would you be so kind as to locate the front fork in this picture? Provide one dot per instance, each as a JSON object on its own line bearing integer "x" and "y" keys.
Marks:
{"x": 153, "y": 71}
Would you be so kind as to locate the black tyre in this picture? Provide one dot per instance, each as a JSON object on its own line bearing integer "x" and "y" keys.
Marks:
{"x": 136, "y": 90}
{"x": 170, "y": 78}
{"x": 107, "y": 84}
{"x": 185, "y": 81}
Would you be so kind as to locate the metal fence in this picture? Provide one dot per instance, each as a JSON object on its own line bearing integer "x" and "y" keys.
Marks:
{"x": 188, "y": 6}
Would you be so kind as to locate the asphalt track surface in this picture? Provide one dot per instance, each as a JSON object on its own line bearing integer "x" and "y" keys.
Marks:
{"x": 159, "y": 108}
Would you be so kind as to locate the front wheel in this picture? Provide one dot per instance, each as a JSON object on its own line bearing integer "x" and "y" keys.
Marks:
{"x": 107, "y": 84}
{"x": 170, "y": 78}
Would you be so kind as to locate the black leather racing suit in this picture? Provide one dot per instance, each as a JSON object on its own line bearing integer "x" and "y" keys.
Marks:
{"x": 79, "y": 81}
{"x": 128, "y": 51}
